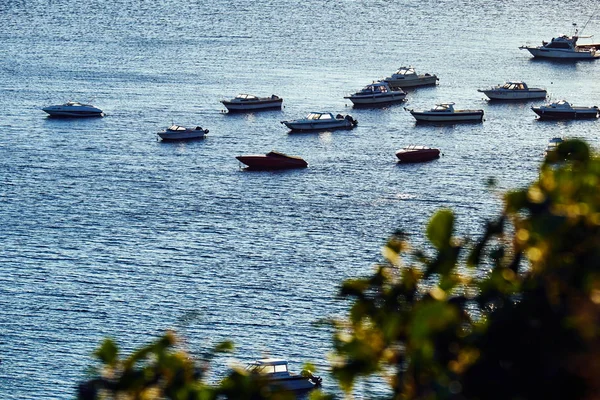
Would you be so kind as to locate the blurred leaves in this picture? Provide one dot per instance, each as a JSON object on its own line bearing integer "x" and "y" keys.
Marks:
{"x": 515, "y": 314}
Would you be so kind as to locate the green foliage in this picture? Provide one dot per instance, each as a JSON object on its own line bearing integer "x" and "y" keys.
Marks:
{"x": 514, "y": 316}
{"x": 162, "y": 371}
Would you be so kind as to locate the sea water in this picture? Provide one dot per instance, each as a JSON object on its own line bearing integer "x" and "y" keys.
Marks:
{"x": 107, "y": 232}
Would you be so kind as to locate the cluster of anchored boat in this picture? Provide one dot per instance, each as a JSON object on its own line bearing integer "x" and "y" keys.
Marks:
{"x": 387, "y": 91}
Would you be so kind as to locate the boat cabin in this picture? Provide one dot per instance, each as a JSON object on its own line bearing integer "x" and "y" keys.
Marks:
{"x": 561, "y": 42}
{"x": 444, "y": 107}
{"x": 375, "y": 88}
{"x": 404, "y": 71}
{"x": 515, "y": 86}
{"x": 246, "y": 97}
{"x": 269, "y": 366}
{"x": 319, "y": 116}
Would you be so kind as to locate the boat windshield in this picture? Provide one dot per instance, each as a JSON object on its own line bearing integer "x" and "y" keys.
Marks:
{"x": 319, "y": 116}
{"x": 374, "y": 89}
{"x": 514, "y": 86}
{"x": 266, "y": 369}
{"x": 443, "y": 108}
{"x": 245, "y": 97}
{"x": 405, "y": 71}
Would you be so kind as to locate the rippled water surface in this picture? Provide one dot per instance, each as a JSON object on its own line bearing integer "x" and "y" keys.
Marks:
{"x": 106, "y": 231}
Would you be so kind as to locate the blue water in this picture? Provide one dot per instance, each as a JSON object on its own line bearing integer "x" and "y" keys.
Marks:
{"x": 106, "y": 231}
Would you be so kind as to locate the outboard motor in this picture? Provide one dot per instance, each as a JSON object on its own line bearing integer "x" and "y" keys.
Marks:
{"x": 351, "y": 120}
{"x": 316, "y": 380}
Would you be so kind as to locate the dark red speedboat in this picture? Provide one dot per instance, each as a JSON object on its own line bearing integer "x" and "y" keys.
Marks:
{"x": 414, "y": 153}
{"x": 272, "y": 160}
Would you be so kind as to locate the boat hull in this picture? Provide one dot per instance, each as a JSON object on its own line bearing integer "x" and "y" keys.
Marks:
{"x": 417, "y": 155}
{"x": 515, "y": 94}
{"x": 319, "y": 126}
{"x": 364, "y": 100}
{"x": 271, "y": 104}
{"x": 562, "y": 54}
{"x": 183, "y": 135}
{"x": 295, "y": 383}
{"x": 458, "y": 116}
{"x": 422, "y": 80}
{"x": 265, "y": 162}
{"x": 571, "y": 114}
{"x": 65, "y": 113}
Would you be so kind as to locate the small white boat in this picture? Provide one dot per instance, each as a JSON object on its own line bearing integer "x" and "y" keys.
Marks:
{"x": 73, "y": 109}
{"x": 248, "y": 102}
{"x": 321, "y": 121}
{"x": 564, "y": 110}
{"x": 445, "y": 112}
{"x": 275, "y": 370}
{"x": 406, "y": 77}
{"x": 177, "y": 132}
{"x": 376, "y": 93}
{"x": 564, "y": 48}
{"x": 514, "y": 90}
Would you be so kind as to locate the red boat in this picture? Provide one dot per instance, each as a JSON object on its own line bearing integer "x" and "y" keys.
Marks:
{"x": 272, "y": 160}
{"x": 414, "y": 153}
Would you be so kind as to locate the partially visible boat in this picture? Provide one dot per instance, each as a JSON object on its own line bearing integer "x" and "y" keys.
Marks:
{"x": 564, "y": 48}
{"x": 514, "y": 90}
{"x": 407, "y": 77}
{"x": 445, "y": 112}
{"x": 177, "y": 132}
{"x": 413, "y": 154}
{"x": 249, "y": 102}
{"x": 564, "y": 110}
{"x": 275, "y": 371}
{"x": 552, "y": 145}
{"x": 321, "y": 121}
{"x": 376, "y": 93}
{"x": 73, "y": 109}
{"x": 271, "y": 161}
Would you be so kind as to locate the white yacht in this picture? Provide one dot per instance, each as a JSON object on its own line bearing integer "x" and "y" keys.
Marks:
{"x": 445, "y": 112}
{"x": 320, "y": 121}
{"x": 564, "y": 110}
{"x": 275, "y": 370}
{"x": 177, "y": 132}
{"x": 514, "y": 90}
{"x": 565, "y": 48}
{"x": 249, "y": 102}
{"x": 407, "y": 77}
{"x": 376, "y": 93}
{"x": 73, "y": 109}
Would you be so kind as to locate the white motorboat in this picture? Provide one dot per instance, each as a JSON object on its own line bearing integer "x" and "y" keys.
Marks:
{"x": 407, "y": 77}
{"x": 73, "y": 109}
{"x": 248, "y": 102}
{"x": 445, "y": 112}
{"x": 514, "y": 90}
{"x": 564, "y": 48}
{"x": 321, "y": 121}
{"x": 276, "y": 372}
{"x": 177, "y": 132}
{"x": 564, "y": 110}
{"x": 376, "y": 93}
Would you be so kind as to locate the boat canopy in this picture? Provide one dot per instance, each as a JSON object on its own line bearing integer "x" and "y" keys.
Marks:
{"x": 320, "y": 116}
{"x": 268, "y": 366}
{"x": 246, "y": 97}
{"x": 444, "y": 107}
{"x": 515, "y": 85}
{"x": 405, "y": 71}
